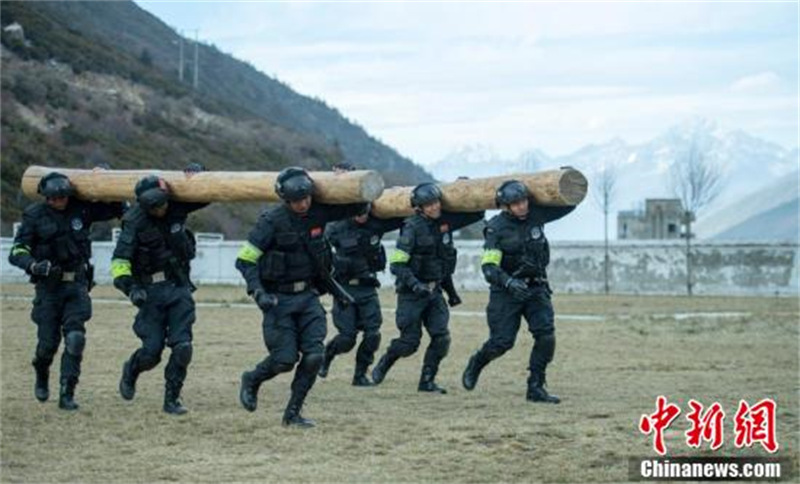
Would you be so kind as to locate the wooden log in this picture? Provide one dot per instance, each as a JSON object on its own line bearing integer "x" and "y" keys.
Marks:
{"x": 554, "y": 188}
{"x": 210, "y": 186}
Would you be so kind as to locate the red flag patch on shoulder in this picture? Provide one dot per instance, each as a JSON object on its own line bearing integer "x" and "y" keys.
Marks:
{"x": 444, "y": 228}
{"x": 316, "y": 231}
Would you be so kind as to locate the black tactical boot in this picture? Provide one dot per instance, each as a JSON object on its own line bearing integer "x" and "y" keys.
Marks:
{"x": 172, "y": 400}
{"x": 382, "y": 368}
{"x": 426, "y": 383}
{"x": 248, "y": 392}
{"x": 66, "y": 398}
{"x": 127, "y": 383}
{"x": 326, "y": 361}
{"x": 537, "y": 392}
{"x": 471, "y": 373}
{"x": 42, "y": 387}
{"x": 292, "y": 417}
{"x": 360, "y": 379}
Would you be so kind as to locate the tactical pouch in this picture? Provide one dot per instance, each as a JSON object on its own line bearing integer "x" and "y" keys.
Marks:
{"x": 427, "y": 267}
{"x": 376, "y": 260}
{"x": 272, "y": 265}
{"x": 341, "y": 267}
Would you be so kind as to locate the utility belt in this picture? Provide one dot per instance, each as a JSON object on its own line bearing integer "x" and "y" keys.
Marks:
{"x": 288, "y": 288}
{"x": 58, "y": 275}
{"x": 370, "y": 280}
{"x": 156, "y": 278}
{"x": 431, "y": 285}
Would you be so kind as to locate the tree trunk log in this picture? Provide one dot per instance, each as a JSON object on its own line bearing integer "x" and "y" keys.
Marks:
{"x": 210, "y": 186}
{"x": 554, "y": 188}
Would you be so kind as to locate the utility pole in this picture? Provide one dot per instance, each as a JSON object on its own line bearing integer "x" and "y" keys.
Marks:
{"x": 196, "y": 63}
{"x": 180, "y": 56}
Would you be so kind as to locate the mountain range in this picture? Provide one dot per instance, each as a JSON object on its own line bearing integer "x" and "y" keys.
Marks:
{"x": 757, "y": 176}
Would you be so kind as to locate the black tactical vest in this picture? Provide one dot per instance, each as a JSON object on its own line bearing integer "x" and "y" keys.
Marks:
{"x": 63, "y": 236}
{"x": 433, "y": 256}
{"x": 297, "y": 250}
{"x": 526, "y": 252}
{"x": 162, "y": 244}
{"x": 359, "y": 251}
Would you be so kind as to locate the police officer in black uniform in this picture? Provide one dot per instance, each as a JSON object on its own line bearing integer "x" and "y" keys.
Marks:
{"x": 358, "y": 257}
{"x": 53, "y": 247}
{"x": 423, "y": 258}
{"x": 150, "y": 265}
{"x": 286, "y": 263}
{"x": 515, "y": 259}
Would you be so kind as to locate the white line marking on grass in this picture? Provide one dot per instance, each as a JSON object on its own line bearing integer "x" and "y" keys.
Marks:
{"x": 466, "y": 314}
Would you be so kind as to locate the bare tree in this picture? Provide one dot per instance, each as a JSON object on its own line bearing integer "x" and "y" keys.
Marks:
{"x": 603, "y": 196}
{"x": 696, "y": 181}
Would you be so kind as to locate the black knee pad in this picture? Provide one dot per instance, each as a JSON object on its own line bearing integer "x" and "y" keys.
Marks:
{"x": 345, "y": 343}
{"x": 183, "y": 353}
{"x": 372, "y": 341}
{"x": 75, "y": 342}
{"x": 407, "y": 347}
{"x": 311, "y": 362}
{"x": 441, "y": 345}
{"x": 146, "y": 360}
{"x": 282, "y": 366}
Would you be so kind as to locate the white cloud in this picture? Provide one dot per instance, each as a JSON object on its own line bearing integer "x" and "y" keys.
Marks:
{"x": 427, "y": 77}
{"x": 762, "y": 82}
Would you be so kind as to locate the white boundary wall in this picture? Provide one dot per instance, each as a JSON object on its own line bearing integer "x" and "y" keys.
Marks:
{"x": 637, "y": 267}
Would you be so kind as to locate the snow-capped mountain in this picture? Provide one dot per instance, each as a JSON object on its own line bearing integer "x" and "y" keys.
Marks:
{"x": 642, "y": 170}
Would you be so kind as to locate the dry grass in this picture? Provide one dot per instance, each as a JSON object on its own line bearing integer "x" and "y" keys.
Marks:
{"x": 608, "y": 374}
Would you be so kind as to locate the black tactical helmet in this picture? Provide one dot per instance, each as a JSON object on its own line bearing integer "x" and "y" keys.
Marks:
{"x": 55, "y": 185}
{"x": 293, "y": 184}
{"x": 425, "y": 193}
{"x": 151, "y": 192}
{"x": 509, "y": 192}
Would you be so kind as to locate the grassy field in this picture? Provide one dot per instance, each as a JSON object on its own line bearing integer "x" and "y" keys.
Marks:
{"x": 609, "y": 368}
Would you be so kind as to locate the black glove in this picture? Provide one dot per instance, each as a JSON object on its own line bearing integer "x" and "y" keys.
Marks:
{"x": 264, "y": 299}
{"x": 138, "y": 296}
{"x": 519, "y": 289}
{"x": 41, "y": 268}
{"x": 421, "y": 289}
{"x": 453, "y": 299}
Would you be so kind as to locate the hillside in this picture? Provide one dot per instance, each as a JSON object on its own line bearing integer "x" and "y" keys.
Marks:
{"x": 778, "y": 223}
{"x": 85, "y": 83}
{"x": 134, "y": 31}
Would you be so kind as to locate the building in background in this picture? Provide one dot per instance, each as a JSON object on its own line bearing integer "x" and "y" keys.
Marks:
{"x": 660, "y": 219}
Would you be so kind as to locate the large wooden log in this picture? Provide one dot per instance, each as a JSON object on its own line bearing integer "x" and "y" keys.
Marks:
{"x": 210, "y": 186}
{"x": 554, "y": 188}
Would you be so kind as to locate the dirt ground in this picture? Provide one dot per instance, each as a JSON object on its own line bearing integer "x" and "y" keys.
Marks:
{"x": 615, "y": 355}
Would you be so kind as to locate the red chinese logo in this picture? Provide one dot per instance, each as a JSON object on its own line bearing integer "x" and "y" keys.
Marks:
{"x": 752, "y": 424}
{"x": 706, "y": 426}
{"x": 756, "y": 424}
{"x": 658, "y": 422}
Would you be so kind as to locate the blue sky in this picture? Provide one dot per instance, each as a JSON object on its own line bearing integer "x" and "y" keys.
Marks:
{"x": 429, "y": 77}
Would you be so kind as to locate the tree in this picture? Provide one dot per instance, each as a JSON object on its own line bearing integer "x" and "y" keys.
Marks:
{"x": 696, "y": 181}
{"x": 603, "y": 196}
